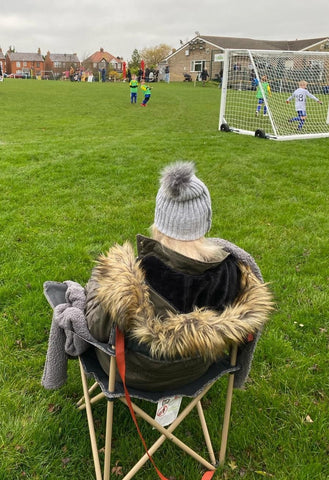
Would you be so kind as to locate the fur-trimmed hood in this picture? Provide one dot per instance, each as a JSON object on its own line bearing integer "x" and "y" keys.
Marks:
{"x": 206, "y": 332}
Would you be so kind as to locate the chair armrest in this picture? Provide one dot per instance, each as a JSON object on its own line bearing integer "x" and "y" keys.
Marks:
{"x": 54, "y": 292}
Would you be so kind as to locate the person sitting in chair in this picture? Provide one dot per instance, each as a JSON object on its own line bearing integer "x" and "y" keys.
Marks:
{"x": 185, "y": 299}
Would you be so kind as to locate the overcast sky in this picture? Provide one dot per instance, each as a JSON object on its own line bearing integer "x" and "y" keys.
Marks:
{"x": 83, "y": 26}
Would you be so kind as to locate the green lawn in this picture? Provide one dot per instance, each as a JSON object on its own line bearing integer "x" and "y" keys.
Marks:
{"x": 78, "y": 171}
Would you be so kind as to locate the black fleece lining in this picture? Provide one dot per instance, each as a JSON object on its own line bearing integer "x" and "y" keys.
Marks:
{"x": 216, "y": 288}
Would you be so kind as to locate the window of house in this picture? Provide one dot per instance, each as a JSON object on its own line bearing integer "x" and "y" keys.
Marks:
{"x": 18, "y": 64}
{"x": 197, "y": 65}
{"x": 317, "y": 68}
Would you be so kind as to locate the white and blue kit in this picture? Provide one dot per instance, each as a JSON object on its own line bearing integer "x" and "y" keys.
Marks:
{"x": 300, "y": 95}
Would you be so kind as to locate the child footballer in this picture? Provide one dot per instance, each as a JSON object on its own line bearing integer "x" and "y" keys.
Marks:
{"x": 300, "y": 95}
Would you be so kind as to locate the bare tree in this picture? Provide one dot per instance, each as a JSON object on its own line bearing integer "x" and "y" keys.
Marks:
{"x": 153, "y": 55}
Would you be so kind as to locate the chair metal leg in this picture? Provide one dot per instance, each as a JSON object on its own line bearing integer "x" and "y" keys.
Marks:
{"x": 109, "y": 421}
{"x": 206, "y": 433}
{"x": 108, "y": 440}
{"x": 90, "y": 424}
{"x": 90, "y": 390}
{"x": 93, "y": 400}
{"x": 228, "y": 405}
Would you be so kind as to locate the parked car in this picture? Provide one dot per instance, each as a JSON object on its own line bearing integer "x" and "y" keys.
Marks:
{"x": 18, "y": 75}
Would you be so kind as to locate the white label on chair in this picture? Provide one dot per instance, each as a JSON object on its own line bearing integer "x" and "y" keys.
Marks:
{"x": 167, "y": 410}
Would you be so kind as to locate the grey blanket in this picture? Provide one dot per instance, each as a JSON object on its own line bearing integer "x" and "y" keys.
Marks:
{"x": 67, "y": 327}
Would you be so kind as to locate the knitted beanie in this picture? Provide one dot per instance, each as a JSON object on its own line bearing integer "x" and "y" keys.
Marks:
{"x": 183, "y": 204}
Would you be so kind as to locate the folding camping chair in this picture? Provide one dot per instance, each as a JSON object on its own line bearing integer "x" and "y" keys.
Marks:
{"x": 113, "y": 390}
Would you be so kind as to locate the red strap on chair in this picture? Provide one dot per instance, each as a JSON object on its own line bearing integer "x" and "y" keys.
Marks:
{"x": 121, "y": 364}
{"x": 120, "y": 356}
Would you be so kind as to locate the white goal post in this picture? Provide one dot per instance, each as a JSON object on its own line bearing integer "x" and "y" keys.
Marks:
{"x": 48, "y": 75}
{"x": 257, "y": 84}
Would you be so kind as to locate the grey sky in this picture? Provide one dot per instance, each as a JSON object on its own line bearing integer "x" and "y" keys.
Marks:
{"x": 82, "y": 27}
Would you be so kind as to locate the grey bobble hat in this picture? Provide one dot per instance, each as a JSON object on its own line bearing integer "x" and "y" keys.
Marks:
{"x": 183, "y": 204}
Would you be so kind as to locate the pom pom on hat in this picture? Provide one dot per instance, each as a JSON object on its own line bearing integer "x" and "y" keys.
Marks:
{"x": 183, "y": 205}
{"x": 176, "y": 178}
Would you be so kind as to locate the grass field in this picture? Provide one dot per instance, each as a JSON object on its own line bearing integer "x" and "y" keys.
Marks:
{"x": 78, "y": 171}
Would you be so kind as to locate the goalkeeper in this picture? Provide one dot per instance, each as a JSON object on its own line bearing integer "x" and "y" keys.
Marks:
{"x": 262, "y": 90}
{"x": 300, "y": 95}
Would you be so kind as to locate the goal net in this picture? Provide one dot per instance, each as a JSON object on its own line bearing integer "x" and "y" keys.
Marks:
{"x": 48, "y": 75}
{"x": 257, "y": 84}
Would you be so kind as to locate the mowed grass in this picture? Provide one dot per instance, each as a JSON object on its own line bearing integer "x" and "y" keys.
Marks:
{"x": 79, "y": 171}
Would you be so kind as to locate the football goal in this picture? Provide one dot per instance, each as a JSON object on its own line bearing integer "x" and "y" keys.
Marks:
{"x": 48, "y": 75}
{"x": 279, "y": 95}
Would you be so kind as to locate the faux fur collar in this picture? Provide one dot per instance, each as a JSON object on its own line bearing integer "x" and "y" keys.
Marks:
{"x": 204, "y": 332}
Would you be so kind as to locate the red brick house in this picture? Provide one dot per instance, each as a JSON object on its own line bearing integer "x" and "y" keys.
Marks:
{"x": 56, "y": 64}
{"x": 103, "y": 60}
{"x": 2, "y": 61}
{"x": 24, "y": 64}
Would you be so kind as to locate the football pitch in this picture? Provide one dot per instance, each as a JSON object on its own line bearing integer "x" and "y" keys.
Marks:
{"x": 79, "y": 170}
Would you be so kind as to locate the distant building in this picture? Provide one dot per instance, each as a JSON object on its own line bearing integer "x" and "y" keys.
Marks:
{"x": 24, "y": 64}
{"x": 205, "y": 51}
{"x": 57, "y": 64}
{"x": 2, "y": 61}
{"x": 101, "y": 60}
